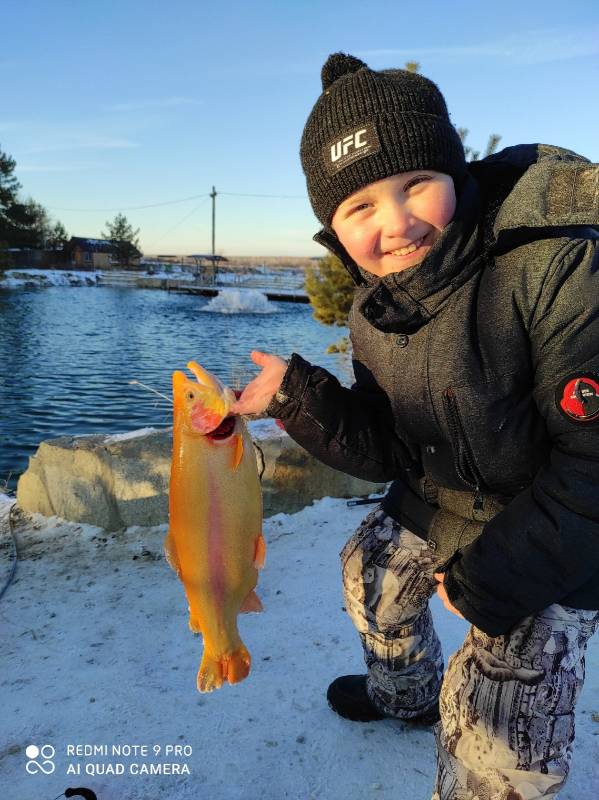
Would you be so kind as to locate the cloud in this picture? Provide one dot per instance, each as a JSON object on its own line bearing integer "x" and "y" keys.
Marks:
{"x": 166, "y": 102}
{"x": 525, "y": 48}
{"x": 59, "y": 167}
{"x": 80, "y": 142}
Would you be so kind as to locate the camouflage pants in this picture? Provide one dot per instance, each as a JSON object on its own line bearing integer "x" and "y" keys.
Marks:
{"x": 507, "y": 702}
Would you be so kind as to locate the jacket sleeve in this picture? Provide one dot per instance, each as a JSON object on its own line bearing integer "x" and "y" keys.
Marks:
{"x": 351, "y": 430}
{"x": 545, "y": 544}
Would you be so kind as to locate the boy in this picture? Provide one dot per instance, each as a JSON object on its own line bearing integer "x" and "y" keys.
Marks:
{"x": 475, "y": 335}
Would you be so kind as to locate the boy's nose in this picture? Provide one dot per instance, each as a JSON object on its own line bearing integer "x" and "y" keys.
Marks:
{"x": 396, "y": 221}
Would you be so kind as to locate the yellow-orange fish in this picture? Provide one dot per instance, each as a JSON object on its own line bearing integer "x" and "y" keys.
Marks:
{"x": 215, "y": 541}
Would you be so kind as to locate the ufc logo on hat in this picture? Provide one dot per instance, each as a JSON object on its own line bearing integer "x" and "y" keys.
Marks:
{"x": 360, "y": 143}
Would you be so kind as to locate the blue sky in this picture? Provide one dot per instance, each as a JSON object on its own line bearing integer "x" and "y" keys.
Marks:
{"x": 109, "y": 106}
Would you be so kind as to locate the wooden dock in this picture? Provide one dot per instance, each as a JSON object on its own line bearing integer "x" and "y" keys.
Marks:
{"x": 212, "y": 291}
{"x": 282, "y": 289}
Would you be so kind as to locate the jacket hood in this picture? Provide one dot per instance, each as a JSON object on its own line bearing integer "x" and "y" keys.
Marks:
{"x": 553, "y": 187}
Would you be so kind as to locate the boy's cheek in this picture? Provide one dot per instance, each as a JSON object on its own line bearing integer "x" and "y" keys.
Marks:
{"x": 444, "y": 207}
{"x": 357, "y": 242}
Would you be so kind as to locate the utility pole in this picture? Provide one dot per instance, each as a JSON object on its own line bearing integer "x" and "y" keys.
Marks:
{"x": 213, "y": 196}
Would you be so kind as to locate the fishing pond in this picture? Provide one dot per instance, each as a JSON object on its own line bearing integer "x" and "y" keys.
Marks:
{"x": 68, "y": 355}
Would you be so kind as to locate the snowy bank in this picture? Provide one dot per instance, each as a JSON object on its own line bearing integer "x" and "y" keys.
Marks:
{"x": 98, "y": 653}
{"x": 122, "y": 480}
{"x": 43, "y": 278}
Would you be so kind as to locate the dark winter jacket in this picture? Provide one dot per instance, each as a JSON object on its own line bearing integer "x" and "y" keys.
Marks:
{"x": 477, "y": 386}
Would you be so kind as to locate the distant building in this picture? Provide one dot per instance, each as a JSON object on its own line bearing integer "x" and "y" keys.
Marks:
{"x": 96, "y": 253}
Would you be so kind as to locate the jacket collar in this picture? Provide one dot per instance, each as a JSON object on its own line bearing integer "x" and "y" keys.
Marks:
{"x": 404, "y": 301}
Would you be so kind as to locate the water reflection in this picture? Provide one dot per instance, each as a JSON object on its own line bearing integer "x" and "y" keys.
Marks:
{"x": 68, "y": 354}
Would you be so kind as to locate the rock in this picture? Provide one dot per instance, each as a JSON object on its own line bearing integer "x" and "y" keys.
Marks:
{"x": 119, "y": 483}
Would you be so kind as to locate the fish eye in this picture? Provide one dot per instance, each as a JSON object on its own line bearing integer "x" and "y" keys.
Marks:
{"x": 190, "y": 395}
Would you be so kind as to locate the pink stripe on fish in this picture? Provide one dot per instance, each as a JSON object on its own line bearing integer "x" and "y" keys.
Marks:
{"x": 216, "y": 564}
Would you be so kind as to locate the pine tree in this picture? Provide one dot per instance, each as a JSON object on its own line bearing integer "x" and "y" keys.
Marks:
{"x": 10, "y": 209}
{"x": 57, "y": 237}
{"x": 38, "y": 225}
{"x": 22, "y": 223}
{"x": 124, "y": 239}
{"x": 330, "y": 290}
{"x": 472, "y": 155}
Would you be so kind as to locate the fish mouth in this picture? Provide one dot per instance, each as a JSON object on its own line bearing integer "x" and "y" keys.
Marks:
{"x": 224, "y": 430}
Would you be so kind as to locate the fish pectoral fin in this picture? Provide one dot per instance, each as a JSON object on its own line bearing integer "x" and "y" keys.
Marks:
{"x": 194, "y": 624}
{"x": 237, "y": 451}
{"x": 170, "y": 553}
{"x": 251, "y": 603}
{"x": 260, "y": 552}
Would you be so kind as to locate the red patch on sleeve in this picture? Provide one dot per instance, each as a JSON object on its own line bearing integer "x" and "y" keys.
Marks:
{"x": 577, "y": 397}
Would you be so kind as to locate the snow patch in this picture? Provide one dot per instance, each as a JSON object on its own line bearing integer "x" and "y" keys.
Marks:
{"x": 43, "y": 278}
{"x": 121, "y": 437}
{"x": 98, "y": 650}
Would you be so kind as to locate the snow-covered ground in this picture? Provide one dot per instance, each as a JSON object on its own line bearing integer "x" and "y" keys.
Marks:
{"x": 96, "y": 652}
{"x": 31, "y": 276}
{"x": 42, "y": 278}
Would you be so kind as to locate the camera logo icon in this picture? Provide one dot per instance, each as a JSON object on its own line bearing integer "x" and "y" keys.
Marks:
{"x": 40, "y": 759}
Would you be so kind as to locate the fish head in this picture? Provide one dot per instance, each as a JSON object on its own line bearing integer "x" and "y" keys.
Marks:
{"x": 203, "y": 405}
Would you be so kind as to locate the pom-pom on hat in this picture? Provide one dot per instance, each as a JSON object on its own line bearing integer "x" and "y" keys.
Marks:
{"x": 368, "y": 125}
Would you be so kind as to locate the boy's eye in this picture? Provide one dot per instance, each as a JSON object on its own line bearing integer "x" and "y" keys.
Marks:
{"x": 359, "y": 207}
{"x": 417, "y": 179}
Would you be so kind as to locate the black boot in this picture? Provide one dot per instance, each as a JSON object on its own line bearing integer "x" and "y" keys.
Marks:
{"x": 347, "y": 696}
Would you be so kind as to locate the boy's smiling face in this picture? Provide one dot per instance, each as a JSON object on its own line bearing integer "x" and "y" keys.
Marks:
{"x": 391, "y": 225}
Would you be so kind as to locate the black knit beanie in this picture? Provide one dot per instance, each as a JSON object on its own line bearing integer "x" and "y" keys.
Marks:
{"x": 368, "y": 125}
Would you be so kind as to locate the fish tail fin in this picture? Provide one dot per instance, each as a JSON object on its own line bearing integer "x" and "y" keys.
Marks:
{"x": 210, "y": 675}
{"x": 233, "y": 668}
{"x": 238, "y": 665}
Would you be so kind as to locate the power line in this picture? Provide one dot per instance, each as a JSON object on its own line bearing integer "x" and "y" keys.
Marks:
{"x": 131, "y": 208}
{"x": 173, "y": 202}
{"x": 277, "y": 196}
{"x": 176, "y": 225}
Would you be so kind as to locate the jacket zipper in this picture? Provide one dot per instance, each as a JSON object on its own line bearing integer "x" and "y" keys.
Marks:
{"x": 462, "y": 457}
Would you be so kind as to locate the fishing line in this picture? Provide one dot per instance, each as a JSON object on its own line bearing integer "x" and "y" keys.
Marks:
{"x": 149, "y": 388}
{"x": 263, "y": 460}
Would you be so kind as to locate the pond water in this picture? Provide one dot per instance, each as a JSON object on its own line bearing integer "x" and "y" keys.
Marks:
{"x": 67, "y": 356}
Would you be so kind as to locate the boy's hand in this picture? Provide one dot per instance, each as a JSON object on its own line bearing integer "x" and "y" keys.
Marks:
{"x": 440, "y": 578}
{"x": 260, "y": 391}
